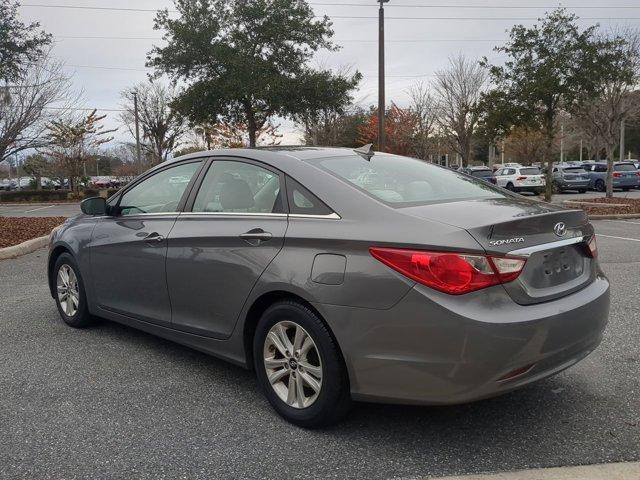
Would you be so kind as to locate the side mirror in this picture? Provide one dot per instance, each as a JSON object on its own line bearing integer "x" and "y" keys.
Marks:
{"x": 94, "y": 206}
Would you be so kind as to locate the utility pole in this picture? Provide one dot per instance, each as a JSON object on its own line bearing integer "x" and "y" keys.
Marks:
{"x": 135, "y": 112}
{"x": 622, "y": 129}
{"x": 562, "y": 144}
{"x": 381, "y": 79}
{"x": 580, "y": 150}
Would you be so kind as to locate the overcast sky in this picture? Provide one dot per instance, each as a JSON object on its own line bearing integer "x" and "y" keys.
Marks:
{"x": 419, "y": 39}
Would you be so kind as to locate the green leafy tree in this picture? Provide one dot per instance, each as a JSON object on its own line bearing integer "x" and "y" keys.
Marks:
{"x": 20, "y": 44}
{"x": 245, "y": 61}
{"x": 550, "y": 66}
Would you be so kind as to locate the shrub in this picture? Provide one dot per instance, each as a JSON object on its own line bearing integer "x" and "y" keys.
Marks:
{"x": 34, "y": 196}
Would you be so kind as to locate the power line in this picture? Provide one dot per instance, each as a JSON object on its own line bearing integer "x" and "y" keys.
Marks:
{"x": 79, "y": 109}
{"x": 339, "y": 41}
{"x": 339, "y": 17}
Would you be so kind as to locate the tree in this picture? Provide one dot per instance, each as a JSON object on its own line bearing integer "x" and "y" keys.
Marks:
{"x": 73, "y": 140}
{"x": 525, "y": 144}
{"x": 36, "y": 166}
{"x": 162, "y": 127}
{"x": 549, "y": 67}
{"x": 331, "y": 128}
{"x": 399, "y": 126}
{"x": 245, "y": 62}
{"x": 226, "y": 135}
{"x": 617, "y": 99}
{"x": 426, "y": 112}
{"x": 20, "y": 44}
{"x": 25, "y": 107}
{"x": 459, "y": 90}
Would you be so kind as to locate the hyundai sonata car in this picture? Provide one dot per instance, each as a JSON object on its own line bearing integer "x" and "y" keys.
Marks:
{"x": 339, "y": 275}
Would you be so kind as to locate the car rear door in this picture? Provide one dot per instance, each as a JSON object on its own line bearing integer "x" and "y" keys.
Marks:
{"x": 128, "y": 250}
{"x": 233, "y": 228}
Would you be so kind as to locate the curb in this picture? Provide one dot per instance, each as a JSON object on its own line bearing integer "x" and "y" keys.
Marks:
{"x": 29, "y": 246}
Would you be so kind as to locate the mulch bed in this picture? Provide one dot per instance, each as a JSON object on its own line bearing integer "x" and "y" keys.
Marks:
{"x": 632, "y": 208}
{"x": 15, "y": 230}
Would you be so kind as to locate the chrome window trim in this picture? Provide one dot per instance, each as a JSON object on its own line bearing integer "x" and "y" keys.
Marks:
{"x": 528, "y": 251}
{"x": 331, "y": 216}
{"x": 232, "y": 214}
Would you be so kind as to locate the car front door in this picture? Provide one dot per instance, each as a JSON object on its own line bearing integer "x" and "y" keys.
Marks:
{"x": 128, "y": 249}
{"x": 219, "y": 249}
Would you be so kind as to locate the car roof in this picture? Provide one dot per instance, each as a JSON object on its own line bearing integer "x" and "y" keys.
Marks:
{"x": 273, "y": 153}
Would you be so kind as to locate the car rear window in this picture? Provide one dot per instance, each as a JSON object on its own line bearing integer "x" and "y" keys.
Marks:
{"x": 402, "y": 181}
{"x": 624, "y": 167}
{"x": 574, "y": 170}
{"x": 530, "y": 171}
{"x": 481, "y": 173}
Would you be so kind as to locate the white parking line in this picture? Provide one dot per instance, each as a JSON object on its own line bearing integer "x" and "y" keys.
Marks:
{"x": 611, "y": 471}
{"x": 40, "y": 208}
{"x": 619, "y": 238}
{"x": 626, "y": 222}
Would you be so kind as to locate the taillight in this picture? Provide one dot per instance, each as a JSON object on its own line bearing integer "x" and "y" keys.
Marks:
{"x": 593, "y": 247}
{"x": 521, "y": 178}
{"x": 617, "y": 174}
{"x": 452, "y": 273}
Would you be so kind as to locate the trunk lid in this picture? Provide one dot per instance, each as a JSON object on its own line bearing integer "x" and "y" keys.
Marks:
{"x": 557, "y": 263}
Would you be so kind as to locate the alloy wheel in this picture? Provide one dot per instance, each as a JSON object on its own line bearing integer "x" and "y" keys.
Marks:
{"x": 293, "y": 364}
{"x": 68, "y": 290}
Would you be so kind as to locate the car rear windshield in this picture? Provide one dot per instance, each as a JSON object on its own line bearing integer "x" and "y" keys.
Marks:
{"x": 481, "y": 173}
{"x": 574, "y": 170}
{"x": 624, "y": 167}
{"x": 530, "y": 171}
{"x": 402, "y": 181}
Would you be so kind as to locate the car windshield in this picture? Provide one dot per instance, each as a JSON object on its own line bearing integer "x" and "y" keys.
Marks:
{"x": 401, "y": 181}
{"x": 625, "y": 167}
{"x": 481, "y": 173}
{"x": 530, "y": 171}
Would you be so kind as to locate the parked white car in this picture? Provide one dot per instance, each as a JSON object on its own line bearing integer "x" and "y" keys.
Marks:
{"x": 521, "y": 179}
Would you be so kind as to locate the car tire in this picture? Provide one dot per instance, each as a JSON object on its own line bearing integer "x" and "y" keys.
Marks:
{"x": 510, "y": 187}
{"x": 600, "y": 186}
{"x": 311, "y": 408}
{"x": 582, "y": 191}
{"x": 69, "y": 293}
{"x": 626, "y": 189}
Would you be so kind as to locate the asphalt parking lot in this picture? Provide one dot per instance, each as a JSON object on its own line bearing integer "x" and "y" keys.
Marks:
{"x": 39, "y": 210}
{"x": 112, "y": 402}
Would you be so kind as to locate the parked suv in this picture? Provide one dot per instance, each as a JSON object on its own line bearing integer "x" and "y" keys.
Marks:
{"x": 570, "y": 177}
{"x": 521, "y": 179}
{"x": 625, "y": 176}
{"x": 481, "y": 172}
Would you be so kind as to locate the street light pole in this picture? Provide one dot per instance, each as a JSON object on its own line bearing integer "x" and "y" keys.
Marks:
{"x": 381, "y": 77}
{"x": 135, "y": 112}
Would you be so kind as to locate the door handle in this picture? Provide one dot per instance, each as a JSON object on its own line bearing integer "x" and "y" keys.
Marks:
{"x": 154, "y": 238}
{"x": 256, "y": 235}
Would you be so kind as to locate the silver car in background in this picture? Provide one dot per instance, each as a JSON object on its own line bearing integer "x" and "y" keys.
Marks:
{"x": 338, "y": 274}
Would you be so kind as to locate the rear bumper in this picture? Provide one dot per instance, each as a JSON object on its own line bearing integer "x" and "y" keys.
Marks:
{"x": 528, "y": 188}
{"x": 573, "y": 185}
{"x": 432, "y": 348}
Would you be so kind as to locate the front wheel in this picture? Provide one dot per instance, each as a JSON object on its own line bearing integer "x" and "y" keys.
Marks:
{"x": 600, "y": 186}
{"x": 70, "y": 296}
{"x": 511, "y": 187}
{"x": 299, "y": 366}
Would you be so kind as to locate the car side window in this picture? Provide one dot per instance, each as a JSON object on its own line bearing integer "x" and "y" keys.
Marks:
{"x": 239, "y": 187}
{"x": 498, "y": 173}
{"x": 303, "y": 202}
{"x": 160, "y": 193}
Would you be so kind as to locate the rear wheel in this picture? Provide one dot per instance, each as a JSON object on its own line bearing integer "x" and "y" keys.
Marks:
{"x": 299, "y": 366}
{"x": 511, "y": 187}
{"x": 70, "y": 294}
{"x": 600, "y": 186}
